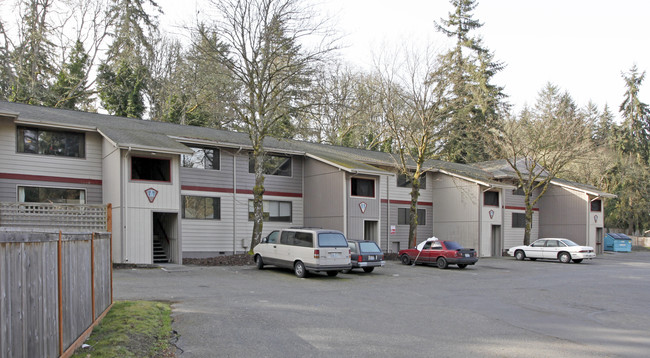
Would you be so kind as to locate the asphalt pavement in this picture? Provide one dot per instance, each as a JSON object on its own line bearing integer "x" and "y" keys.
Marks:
{"x": 498, "y": 308}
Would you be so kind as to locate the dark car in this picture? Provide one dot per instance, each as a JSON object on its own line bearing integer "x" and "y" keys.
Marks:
{"x": 441, "y": 253}
{"x": 366, "y": 255}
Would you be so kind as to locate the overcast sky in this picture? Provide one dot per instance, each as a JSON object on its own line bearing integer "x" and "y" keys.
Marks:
{"x": 580, "y": 46}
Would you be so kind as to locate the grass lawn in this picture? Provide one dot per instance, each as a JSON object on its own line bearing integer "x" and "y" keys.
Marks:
{"x": 132, "y": 329}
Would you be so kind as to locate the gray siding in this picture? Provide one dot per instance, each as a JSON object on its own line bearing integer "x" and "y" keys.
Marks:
{"x": 209, "y": 178}
{"x": 563, "y": 213}
{"x": 272, "y": 183}
{"x": 401, "y": 234}
{"x": 324, "y": 195}
{"x": 455, "y": 210}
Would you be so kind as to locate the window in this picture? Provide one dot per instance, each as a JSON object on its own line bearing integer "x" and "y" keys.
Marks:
{"x": 518, "y": 191}
{"x": 303, "y": 239}
{"x": 51, "y": 142}
{"x": 150, "y": 169}
{"x": 403, "y": 216}
{"x": 331, "y": 239}
{"x": 596, "y": 205}
{"x": 539, "y": 243}
{"x": 201, "y": 207}
{"x": 32, "y": 194}
{"x": 203, "y": 158}
{"x": 491, "y": 198}
{"x": 363, "y": 187}
{"x": 404, "y": 182}
{"x": 518, "y": 220}
{"x": 273, "y": 237}
{"x": 273, "y": 211}
{"x": 273, "y": 165}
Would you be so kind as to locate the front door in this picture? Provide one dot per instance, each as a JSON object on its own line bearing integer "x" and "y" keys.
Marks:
{"x": 599, "y": 241}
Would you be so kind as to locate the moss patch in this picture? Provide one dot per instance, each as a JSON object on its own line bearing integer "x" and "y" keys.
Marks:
{"x": 132, "y": 329}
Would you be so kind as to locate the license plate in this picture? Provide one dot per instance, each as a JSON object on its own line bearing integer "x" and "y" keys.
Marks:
{"x": 372, "y": 257}
{"x": 467, "y": 255}
{"x": 335, "y": 255}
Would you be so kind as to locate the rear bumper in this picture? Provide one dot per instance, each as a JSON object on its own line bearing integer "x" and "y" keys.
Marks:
{"x": 368, "y": 263}
{"x": 462, "y": 260}
{"x": 327, "y": 267}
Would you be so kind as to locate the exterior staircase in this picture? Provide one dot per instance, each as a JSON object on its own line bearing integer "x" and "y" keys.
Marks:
{"x": 159, "y": 253}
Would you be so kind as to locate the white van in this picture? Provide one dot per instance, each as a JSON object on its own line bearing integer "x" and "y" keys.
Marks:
{"x": 304, "y": 250}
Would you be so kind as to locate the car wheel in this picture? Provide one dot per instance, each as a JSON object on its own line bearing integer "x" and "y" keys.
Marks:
{"x": 564, "y": 257}
{"x": 577, "y": 261}
{"x": 462, "y": 266}
{"x": 368, "y": 269}
{"x": 441, "y": 262}
{"x": 299, "y": 269}
{"x": 332, "y": 273}
{"x": 520, "y": 255}
{"x": 258, "y": 262}
{"x": 405, "y": 259}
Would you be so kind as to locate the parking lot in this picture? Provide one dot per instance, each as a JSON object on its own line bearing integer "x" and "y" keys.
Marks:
{"x": 498, "y": 308}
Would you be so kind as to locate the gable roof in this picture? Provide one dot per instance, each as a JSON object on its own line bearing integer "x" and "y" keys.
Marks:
{"x": 138, "y": 134}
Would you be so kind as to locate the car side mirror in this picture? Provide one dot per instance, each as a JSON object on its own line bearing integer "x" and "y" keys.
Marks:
{"x": 264, "y": 240}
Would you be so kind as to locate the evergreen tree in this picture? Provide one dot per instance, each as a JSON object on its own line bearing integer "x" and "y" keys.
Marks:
{"x": 122, "y": 77}
{"x": 33, "y": 57}
{"x": 636, "y": 119}
{"x": 71, "y": 89}
{"x": 474, "y": 102}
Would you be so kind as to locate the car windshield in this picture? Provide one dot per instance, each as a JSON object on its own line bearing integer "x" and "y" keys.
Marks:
{"x": 332, "y": 239}
{"x": 453, "y": 245}
{"x": 569, "y": 242}
{"x": 370, "y": 247}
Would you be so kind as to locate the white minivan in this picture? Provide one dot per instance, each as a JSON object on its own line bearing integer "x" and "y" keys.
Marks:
{"x": 304, "y": 250}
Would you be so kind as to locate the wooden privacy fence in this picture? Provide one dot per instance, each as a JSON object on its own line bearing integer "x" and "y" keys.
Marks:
{"x": 54, "y": 287}
{"x": 46, "y": 216}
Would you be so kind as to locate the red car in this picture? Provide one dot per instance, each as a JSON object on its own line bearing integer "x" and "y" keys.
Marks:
{"x": 442, "y": 253}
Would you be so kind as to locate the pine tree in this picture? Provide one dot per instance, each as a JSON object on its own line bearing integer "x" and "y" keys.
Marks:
{"x": 474, "y": 102}
{"x": 636, "y": 119}
{"x": 122, "y": 77}
{"x": 71, "y": 90}
{"x": 33, "y": 58}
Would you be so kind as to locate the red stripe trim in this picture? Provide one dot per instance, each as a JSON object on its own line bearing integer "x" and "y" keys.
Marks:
{"x": 406, "y": 202}
{"x": 205, "y": 188}
{"x": 50, "y": 179}
{"x": 519, "y": 208}
{"x": 271, "y": 193}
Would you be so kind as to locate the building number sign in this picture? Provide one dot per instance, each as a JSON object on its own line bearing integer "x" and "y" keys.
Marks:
{"x": 151, "y": 194}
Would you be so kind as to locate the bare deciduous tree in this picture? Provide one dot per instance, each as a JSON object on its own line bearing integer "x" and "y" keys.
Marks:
{"x": 415, "y": 116}
{"x": 541, "y": 143}
{"x": 272, "y": 50}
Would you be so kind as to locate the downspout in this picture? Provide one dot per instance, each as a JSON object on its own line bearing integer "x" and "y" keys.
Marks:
{"x": 345, "y": 204}
{"x": 124, "y": 215}
{"x": 387, "y": 213}
{"x": 234, "y": 201}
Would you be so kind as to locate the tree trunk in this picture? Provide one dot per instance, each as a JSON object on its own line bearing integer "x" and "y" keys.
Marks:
{"x": 258, "y": 198}
{"x": 413, "y": 213}
{"x": 529, "y": 219}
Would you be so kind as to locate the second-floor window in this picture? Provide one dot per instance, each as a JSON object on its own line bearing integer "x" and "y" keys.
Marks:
{"x": 596, "y": 205}
{"x": 273, "y": 165}
{"x": 362, "y": 187}
{"x": 491, "y": 198}
{"x": 203, "y": 158}
{"x": 51, "y": 142}
{"x": 404, "y": 182}
{"x": 153, "y": 169}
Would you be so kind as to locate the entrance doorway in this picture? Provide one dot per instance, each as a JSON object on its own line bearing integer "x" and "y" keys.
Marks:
{"x": 497, "y": 244}
{"x": 165, "y": 229}
{"x": 599, "y": 241}
{"x": 371, "y": 230}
